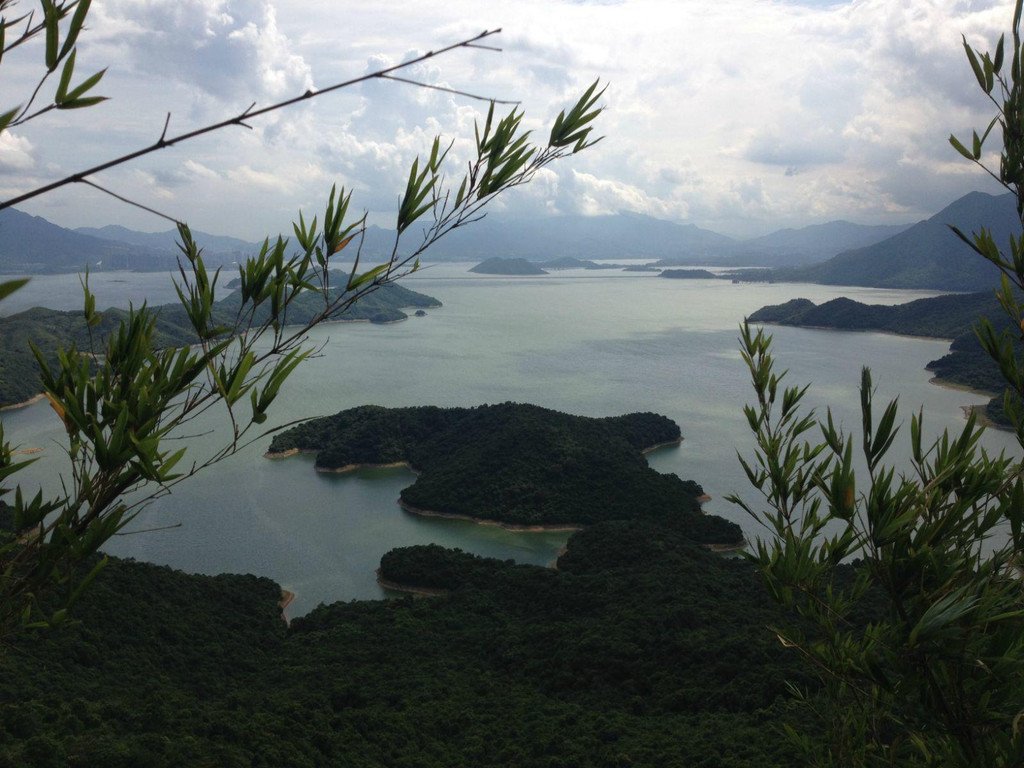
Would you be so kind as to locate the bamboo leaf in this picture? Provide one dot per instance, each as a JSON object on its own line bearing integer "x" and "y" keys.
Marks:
{"x": 50, "y": 22}
{"x": 81, "y": 10}
{"x": 10, "y": 286}
{"x": 86, "y": 85}
{"x": 65, "y": 79}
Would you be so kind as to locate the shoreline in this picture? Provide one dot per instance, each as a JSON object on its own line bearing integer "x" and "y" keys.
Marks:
{"x": 286, "y": 598}
{"x": 656, "y": 446}
{"x": 982, "y": 418}
{"x": 853, "y": 330}
{"x": 553, "y": 527}
{"x": 352, "y": 467}
{"x": 736, "y": 547}
{"x": 274, "y": 455}
{"x": 962, "y": 387}
{"x": 979, "y": 409}
{"x": 24, "y": 403}
{"x": 395, "y": 586}
{"x": 285, "y": 454}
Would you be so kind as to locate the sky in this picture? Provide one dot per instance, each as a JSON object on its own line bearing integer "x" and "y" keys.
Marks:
{"x": 740, "y": 116}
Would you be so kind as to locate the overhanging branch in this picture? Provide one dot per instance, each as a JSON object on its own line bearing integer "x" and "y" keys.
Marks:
{"x": 241, "y": 120}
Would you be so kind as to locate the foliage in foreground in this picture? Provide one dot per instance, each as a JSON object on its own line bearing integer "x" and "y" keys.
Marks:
{"x": 938, "y": 679}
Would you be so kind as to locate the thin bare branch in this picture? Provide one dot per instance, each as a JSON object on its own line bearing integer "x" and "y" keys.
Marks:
{"x": 155, "y": 212}
{"x": 238, "y": 120}
{"x": 449, "y": 90}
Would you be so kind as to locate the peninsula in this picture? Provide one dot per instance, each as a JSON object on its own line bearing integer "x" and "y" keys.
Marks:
{"x": 50, "y": 329}
{"x": 944, "y": 317}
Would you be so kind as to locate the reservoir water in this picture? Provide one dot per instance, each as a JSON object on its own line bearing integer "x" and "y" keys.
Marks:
{"x": 590, "y": 343}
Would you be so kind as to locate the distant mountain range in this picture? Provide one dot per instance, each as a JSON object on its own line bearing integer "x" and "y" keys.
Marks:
{"x": 167, "y": 240}
{"x": 926, "y": 255}
{"x": 34, "y": 245}
{"x": 618, "y": 236}
{"x": 810, "y": 244}
{"x": 923, "y": 255}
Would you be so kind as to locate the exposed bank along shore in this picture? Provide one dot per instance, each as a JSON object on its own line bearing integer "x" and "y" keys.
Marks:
{"x": 518, "y": 528}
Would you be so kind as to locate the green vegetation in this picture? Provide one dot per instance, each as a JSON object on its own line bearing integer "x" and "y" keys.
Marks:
{"x": 689, "y": 274}
{"x": 515, "y": 463}
{"x": 121, "y": 395}
{"x": 948, "y": 317}
{"x": 643, "y": 649}
{"x": 939, "y": 317}
{"x": 500, "y": 266}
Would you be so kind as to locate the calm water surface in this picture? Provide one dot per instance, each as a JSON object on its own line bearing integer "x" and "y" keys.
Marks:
{"x": 594, "y": 344}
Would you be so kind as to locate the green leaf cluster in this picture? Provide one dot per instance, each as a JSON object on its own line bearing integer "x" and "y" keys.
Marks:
{"x": 937, "y": 677}
{"x": 60, "y": 34}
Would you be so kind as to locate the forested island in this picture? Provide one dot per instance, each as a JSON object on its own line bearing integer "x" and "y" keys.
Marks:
{"x": 688, "y": 274}
{"x": 515, "y": 464}
{"x": 50, "y": 329}
{"x": 511, "y": 266}
{"x": 946, "y": 317}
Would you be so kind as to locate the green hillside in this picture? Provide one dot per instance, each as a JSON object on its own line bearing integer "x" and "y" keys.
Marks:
{"x": 927, "y": 255}
{"x": 515, "y": 463}
{"x": 950, "y": 317}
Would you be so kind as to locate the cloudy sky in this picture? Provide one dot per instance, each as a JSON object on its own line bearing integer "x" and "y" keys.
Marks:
{"x": 741, "y": 116}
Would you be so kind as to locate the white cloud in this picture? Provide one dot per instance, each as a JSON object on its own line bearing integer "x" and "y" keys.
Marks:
{"x": 16, "y": 153}
{"x": 741, "y": 115}
{"x": 229, "y": 50}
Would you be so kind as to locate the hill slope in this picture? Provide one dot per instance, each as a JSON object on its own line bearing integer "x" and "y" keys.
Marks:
{"x": 168, "y": 239}
{"x": 814, "y": 243}
{"x": 927, "y": 255}
{"x": 953, "y": 317}
{"x": 32, "y": 244}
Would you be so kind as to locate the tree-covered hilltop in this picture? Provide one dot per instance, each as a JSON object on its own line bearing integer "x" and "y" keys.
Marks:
{"x": 49, "y": 329}
{"x": 511, "y": 266}
{"x": 643, "y": 649}
{"x": 948, "y": 317}
{"x": 938, "y": 317}
{"x": 514, "y": 463}
{"x": 688, "y": 274}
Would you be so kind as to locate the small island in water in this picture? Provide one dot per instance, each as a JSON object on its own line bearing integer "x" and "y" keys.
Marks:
{"x": 688, "y": 274}
{"x": 500, "y": 266}
{"x": 515, "y": 464}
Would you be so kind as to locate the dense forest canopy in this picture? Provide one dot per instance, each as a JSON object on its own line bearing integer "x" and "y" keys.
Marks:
{"x": 515, "y": 463}
{"x": 642, "y": 649}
